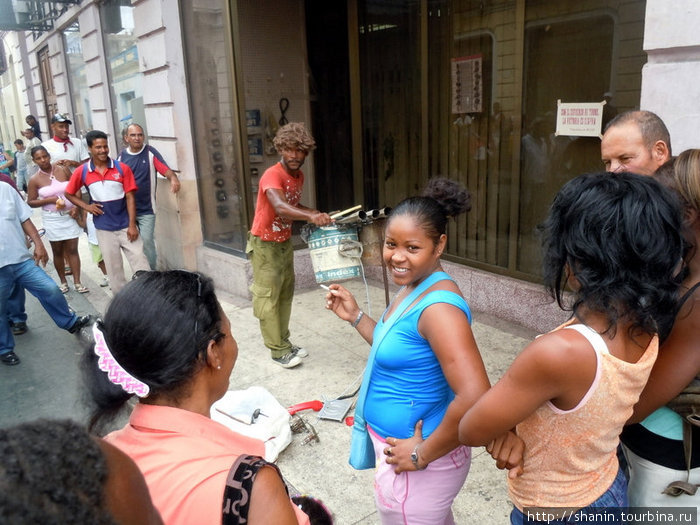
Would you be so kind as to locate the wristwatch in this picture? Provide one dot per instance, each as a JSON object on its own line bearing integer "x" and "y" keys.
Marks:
{"x": 414, "y": 458}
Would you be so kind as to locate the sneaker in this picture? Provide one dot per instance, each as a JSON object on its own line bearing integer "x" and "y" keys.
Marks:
{"x": 299, "y": 351}
{"x": 287, "y": 360}
{"x": 79, "y": 323}
{"x": 18, "y": 328}
{"x": 105, "y": 282}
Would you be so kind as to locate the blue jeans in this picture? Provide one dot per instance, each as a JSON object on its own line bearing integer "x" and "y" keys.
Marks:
{"x": 613, "y": 499}
{"x": 21, "y": 179}
{"x": 29, "y": 276}
{"x": 147, "y": 230}
{"x": 15, "y": 305}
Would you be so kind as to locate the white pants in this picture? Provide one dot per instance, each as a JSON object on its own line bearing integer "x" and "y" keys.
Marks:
{"x": 112, "y": 243}
{"x": 648, "y": 480}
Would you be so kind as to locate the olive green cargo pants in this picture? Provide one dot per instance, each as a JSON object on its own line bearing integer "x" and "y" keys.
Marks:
{"x": 273, "y": 290}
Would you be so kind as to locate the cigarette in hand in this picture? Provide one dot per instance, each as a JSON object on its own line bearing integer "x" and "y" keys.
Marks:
{"x": 325, "y": 287}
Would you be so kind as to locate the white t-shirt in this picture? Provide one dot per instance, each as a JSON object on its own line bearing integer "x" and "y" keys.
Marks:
{"x": 74, "y": 150}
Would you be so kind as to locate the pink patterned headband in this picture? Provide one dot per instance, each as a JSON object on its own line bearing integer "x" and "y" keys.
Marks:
{"x": 115, "y": 372}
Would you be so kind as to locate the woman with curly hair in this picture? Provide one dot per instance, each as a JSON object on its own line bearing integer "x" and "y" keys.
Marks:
{"x": 53, "y": 472}
{"x": 615, "y": 240}
{"x": 424, "y": 370}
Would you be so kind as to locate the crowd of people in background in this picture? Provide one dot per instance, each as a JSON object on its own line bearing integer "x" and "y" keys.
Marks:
{"x": 592, "y": 415}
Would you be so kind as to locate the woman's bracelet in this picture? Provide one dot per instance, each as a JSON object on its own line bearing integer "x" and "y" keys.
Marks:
{"x": 358, "y": 319}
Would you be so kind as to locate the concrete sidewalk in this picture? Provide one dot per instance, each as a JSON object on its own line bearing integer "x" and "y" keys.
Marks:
{"x": 46, "y": 384}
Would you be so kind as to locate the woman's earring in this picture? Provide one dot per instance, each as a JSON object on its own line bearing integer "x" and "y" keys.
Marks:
{"x": 218, "y": 367}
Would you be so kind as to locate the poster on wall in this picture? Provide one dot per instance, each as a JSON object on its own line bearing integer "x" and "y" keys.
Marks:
{"x": 467, "y": 84}
{"x": 253, "y": 120}
{"x": 255, "y": 149}
{"x": 579, "y": 119}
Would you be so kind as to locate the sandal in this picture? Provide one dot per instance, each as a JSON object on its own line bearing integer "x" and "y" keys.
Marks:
{"x": 80, "y": 288}
{"x": 63, "y": 287}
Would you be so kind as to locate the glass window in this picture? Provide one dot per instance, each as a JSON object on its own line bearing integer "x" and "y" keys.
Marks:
{"x": 468, "y": 90}
{"x": 122, "y": 64}
{"x": 82, "y": 116}
{"x": 391, "y": 100}
{"x": 215, "y": 124}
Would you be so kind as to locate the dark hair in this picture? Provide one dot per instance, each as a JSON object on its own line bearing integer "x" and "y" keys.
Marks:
{"x": 29, "y": 116}
{"x": 52, "y": 472}
{"x": 36, "y": 149}
{"x": 19, "y": 141}
{"x": 92, "y": 136}
{"x": 315, "y": 509}
{"x": 650, "y": 125}
{"x": 620, "y": 236}
{"x": 441, "y": 199}
{"x": 664, "y": 173}
{"x": 157, "y": 328}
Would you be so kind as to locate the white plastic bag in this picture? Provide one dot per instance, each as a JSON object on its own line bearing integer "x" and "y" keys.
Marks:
{"x": 236, "y": 411}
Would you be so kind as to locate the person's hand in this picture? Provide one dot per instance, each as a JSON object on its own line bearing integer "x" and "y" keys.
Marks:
{"x": 174, "y": 184}
{"x": 342, "y": 303}
{"x": 321, "y": 219}
{"x": 40, "y": 255}
{"x": 398, "y": 451}
{"x": 60, "y": 203}
{"x": 73, "y": 212}
{"x": 132, "y": 233}
{"x": 508, "y": 450}
{"x": 95, "y": 208}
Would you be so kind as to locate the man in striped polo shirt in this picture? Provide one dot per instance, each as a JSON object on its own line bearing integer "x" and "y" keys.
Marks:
{"x": 111, "y": 186}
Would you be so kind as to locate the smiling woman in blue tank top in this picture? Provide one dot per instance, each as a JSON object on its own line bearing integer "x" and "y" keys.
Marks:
{"x": 424, "y": 370}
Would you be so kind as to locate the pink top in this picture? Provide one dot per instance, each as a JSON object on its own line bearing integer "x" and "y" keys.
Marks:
{"x": 185, "y": 458}
{"x": 570, "y": 455}
{"x": 54, "y": 189}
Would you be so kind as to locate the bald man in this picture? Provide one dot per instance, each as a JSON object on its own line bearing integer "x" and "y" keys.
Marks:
{"x": 636, "y": 142}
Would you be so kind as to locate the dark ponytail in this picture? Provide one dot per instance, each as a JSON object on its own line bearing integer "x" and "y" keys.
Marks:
{"x": 157, "y": 328}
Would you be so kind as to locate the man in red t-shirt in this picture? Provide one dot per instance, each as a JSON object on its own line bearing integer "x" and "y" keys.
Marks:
{"x": 270, "y": 245}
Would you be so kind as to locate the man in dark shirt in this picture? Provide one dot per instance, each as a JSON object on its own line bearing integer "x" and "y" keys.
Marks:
{"x": 146, "y": 163}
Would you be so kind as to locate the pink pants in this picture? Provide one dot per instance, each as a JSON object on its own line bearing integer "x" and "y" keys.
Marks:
{"x": 421, "y": 497}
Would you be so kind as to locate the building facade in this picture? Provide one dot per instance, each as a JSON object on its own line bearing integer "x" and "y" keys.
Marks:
{"x": 394, "y": 91}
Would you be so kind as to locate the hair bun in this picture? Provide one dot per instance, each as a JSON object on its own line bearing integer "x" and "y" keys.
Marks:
{"x": 451, "y": 195}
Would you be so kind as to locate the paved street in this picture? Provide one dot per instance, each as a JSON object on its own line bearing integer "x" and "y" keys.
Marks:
{"x": 47, "y": 384}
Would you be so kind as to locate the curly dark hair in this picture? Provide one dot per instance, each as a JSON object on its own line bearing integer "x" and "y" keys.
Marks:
{"x": 53, "y": 473}
{"x": 157, "y": 328}
{"x": 441, "y": 199}
{"x": 293, "y": 135}
{"x": 620, "y": 236}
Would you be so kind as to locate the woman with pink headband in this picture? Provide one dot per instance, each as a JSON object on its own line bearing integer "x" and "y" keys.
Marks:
{"x": 166, "y": 340}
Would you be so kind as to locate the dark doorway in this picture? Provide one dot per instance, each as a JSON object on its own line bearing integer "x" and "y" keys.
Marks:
{"x": 329, "y": 84}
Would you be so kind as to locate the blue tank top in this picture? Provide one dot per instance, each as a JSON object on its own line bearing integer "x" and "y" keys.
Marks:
{"x": 407, "y": 382}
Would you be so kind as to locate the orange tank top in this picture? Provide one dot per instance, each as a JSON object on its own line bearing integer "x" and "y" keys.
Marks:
{"x": 570, "y": 455}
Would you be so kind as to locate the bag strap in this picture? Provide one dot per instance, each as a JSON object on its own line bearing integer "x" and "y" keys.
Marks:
{"x": 408, "y": 301}
{"x": 676, "y": 488}
{"x": 239, "y": 488}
